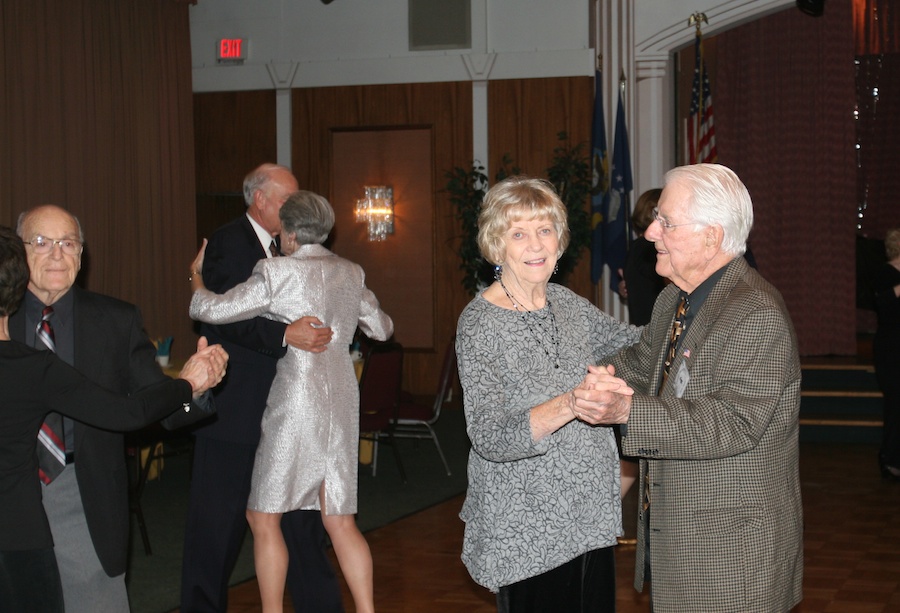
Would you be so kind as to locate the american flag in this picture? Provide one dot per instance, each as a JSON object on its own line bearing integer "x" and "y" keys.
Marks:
{"x": 701, "y": 128}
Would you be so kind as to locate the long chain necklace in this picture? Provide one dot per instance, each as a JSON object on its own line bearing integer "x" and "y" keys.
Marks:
{"x": 550, "y": 329}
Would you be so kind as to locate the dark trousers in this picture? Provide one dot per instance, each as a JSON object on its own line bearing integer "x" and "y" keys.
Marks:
{"x": 586, "y": 584}
{"x": 29, "y": 581}
{"x": 217, "y": 523}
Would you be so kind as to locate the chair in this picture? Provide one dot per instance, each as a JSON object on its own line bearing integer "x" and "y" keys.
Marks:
{"x": 379, "y": 394}
{"x": 416, "y": 420}
{"x": 159, "y": 444}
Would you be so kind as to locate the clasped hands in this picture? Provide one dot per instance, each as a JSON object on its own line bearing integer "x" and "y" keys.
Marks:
{"x": 206, "y": 368}
{"x": 602, "y": 398}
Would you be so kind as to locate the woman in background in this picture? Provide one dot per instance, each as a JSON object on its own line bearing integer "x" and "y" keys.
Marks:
{"x": 308, "y": 452}
{"x": 641, "y": 283}
{"x": 542, "y": 509}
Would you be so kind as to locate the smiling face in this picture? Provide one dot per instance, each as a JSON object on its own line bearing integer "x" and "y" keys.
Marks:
{"x": 531, "y": 251}
{"x": 53, "y": 273}
{"x": 685, "y": 254}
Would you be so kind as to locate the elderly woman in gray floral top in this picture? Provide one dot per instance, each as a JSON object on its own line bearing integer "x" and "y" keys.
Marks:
{"x": 542, "y": 510}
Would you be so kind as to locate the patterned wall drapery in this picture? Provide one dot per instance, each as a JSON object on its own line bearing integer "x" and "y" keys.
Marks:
{"x": 784, "y": 97}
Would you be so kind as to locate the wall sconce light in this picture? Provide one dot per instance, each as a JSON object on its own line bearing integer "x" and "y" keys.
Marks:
{"x": 377, "y": 210}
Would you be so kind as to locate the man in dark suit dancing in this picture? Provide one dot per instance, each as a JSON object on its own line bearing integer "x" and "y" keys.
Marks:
{"x": 225, "y": 449}
{"x": 87, "y": 503}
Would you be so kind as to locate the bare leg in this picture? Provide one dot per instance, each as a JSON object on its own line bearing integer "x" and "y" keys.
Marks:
{"x": 353, "y": 555}
{"x": 270, "y": 557}
{"x": 629, "y": 473}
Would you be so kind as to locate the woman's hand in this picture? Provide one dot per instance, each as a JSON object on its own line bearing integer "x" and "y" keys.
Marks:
{"x": 206, "y": 368}
{"x": 603, "y": 398}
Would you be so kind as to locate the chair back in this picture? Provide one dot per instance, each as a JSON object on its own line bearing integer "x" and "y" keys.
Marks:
{"x": 379, "y": 387}
{"x": 448, "y": 373}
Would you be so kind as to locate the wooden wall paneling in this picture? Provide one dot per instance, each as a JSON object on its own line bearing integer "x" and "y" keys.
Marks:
{"x": 400, "y": 268}
{"x": 524, "y": 118}
{"x": 446, "y": 108}
{"x": 233, "y": 133}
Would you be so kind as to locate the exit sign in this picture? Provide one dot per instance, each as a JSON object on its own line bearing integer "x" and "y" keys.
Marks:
{"x": 231, "y": 50}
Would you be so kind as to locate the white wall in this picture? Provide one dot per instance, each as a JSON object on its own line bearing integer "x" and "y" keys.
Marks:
{"x": 356, "y": 42}
{"x": 304, "y": 43}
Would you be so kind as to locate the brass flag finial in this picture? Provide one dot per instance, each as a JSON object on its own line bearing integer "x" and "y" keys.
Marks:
{"x": 696, "y": 19}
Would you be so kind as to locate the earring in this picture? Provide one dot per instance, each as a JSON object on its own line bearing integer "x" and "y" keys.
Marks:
{"x": 556, "y": 268}
{"x": 498, "y": 272}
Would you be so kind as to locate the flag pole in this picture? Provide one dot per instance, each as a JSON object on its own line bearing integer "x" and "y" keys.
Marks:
{"x": 598, "y": 287}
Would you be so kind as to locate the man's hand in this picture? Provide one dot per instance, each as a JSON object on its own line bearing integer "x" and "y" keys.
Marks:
{"x": 603, "y": 398}
{"x": 309, "y": 334}
{"x": 206, "y": 368}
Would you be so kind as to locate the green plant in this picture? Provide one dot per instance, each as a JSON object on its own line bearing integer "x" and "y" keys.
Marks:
{"x": 570, "y": 173}
{"x": 467, "y": 189}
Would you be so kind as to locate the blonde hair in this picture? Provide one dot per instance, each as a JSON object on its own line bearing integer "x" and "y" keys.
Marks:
{"x": 517, "y": 199}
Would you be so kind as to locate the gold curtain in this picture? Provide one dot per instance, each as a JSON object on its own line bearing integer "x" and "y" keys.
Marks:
{"x": 876, "y": 25}
{"x": 97, "y": 118}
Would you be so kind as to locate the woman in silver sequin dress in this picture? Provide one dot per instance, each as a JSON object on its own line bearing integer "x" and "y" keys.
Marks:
{"x": 308, "y": 452}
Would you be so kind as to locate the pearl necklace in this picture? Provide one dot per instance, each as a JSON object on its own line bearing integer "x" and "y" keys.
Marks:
{"x": 550, "y": 330}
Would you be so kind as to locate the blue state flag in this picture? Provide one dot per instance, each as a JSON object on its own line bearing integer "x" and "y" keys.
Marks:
{"x": 599, "y": 181}
{"x": 616, "y": 209}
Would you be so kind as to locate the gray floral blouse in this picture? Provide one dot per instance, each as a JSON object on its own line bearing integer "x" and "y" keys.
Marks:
{"x": 532, "y": 506}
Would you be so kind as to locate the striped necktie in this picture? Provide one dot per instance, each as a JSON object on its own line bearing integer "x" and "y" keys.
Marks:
{"x": 51, "y": 451}
{"x": 677, "y": 330}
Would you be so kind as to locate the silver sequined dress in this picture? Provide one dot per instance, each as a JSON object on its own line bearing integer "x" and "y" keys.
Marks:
{"x": 310, "y": 429}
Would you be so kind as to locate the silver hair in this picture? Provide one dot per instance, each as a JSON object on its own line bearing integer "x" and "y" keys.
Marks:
{"x": 307, "y": 215}
{"x": 24, "y": 214}
{"x": 257, "y": 178}
{"x": 719, "y": 198}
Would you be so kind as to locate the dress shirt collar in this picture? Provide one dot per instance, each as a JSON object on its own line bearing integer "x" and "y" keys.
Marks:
{"x": 265, "y": 239}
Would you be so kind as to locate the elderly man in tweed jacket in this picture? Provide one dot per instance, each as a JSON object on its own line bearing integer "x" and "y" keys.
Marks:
{"x": 714, "y": 420}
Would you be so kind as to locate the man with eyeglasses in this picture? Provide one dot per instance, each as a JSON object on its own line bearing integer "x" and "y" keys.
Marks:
{"x": 87, "y": 502}
{"x": 715, "y": 380}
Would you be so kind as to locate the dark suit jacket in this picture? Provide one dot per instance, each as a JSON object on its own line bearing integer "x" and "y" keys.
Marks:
{"x": 112, "y": 350}
{"x": 253, "y": 346}
{"x": 33, "y": 383}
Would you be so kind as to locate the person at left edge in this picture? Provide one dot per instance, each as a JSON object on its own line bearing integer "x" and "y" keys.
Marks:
{"x": 32, "y": 383}
{"x": 103, "y": 338}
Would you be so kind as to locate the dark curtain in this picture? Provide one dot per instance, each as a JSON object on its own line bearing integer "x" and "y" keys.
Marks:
{"x": 877, "y": 37}
{"x": 784, "y": 103}
{"x": 96, "y": 116}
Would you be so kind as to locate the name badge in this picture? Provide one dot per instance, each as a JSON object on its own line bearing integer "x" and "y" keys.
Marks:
{"x": 681, "y": 380}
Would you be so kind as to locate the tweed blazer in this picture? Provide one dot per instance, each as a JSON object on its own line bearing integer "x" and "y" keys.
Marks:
{"x": 725, "y": 522}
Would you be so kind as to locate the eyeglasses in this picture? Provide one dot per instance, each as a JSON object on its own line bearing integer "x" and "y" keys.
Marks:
{"x": 665, "y": 223}
{"x": 42, "y": 245}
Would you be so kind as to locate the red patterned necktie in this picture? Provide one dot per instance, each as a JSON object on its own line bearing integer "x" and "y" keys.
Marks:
{"x": 273, "y": 249}
{"x": 52, "y": 448}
